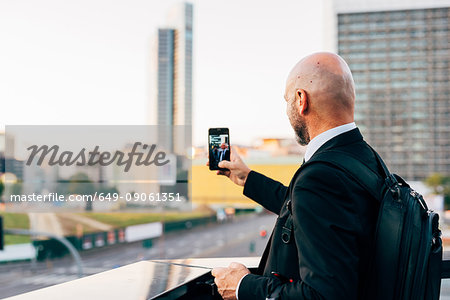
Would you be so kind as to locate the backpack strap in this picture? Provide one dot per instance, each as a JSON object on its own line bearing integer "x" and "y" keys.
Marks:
{"x": 357, "y": 169}
{"x": 360, "y": 172}
{"x": 288, "y": 227}
{"x": 391, "y": 218}
{"x": 388, "y": 231}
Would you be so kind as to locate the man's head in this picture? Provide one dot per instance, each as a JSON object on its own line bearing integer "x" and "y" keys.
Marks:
{"x": 320, "y": 95}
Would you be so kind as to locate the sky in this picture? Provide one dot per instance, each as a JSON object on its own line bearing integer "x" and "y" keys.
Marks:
{"x": 88, "y": 62}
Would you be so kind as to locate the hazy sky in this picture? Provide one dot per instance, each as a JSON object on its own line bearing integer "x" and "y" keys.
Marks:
{"x": 88, "y": 61}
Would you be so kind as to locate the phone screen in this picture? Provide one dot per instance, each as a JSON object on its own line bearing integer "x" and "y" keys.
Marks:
{"x": 219, "y": 147}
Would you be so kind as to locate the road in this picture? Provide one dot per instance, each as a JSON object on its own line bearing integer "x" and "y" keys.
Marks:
{"x": 230, "y": 239}
{"x": 216, "y": 240}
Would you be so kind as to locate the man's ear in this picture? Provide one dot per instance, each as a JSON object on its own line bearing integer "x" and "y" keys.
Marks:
{"x": 301, "y": 98}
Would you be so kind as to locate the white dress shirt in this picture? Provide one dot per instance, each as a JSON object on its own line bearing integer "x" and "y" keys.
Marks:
{"x": 324, "y": 137}
{"x": 312, "y": 147}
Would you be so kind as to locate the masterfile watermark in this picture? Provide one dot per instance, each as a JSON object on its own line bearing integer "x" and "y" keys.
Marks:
{"x": 94, "y": 157}
{"x": 107, "y": 197}
{"x": 115, "y": 167}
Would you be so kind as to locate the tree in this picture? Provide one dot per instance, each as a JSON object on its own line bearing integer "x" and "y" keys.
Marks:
{"x": 440, "y": 185}
{"x": 17, "y": 188}
{"x": 80, "y": 184}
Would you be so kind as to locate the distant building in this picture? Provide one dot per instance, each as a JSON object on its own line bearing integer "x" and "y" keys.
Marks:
{"x": 280, "y": 147}
{"x": 172, "y": 91}
{"x": 400, "y": 59}
{"x": 164, "y": 63}
{"x": 172, "y": 75}
{"x": 8, "y": 162}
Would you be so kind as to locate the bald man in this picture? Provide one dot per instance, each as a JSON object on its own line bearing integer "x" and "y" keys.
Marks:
{"x": 320, "y": 247}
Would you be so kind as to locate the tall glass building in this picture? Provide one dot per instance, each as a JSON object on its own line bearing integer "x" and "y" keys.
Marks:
{"x": 165, "y": 86}
{"x": 172, "y": 75}
{"x": 400, "y": 63}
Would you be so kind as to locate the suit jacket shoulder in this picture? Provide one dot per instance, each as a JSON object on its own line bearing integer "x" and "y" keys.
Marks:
{"x": 333, "y": 222}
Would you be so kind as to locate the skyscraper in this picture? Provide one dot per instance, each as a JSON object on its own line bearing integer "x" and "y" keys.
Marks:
{"x": 400, "y": 62}
{"x": 172, "y": 73}
{"x": 164, "y": 76}
{"x": 172, "y": 92}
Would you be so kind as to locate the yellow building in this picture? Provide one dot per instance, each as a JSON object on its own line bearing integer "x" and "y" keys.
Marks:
{"x": 211, "y": 189}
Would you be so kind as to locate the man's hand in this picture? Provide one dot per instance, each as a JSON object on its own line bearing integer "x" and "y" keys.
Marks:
{"x": 227, "y": 279}
{"x": 237, "y": 169}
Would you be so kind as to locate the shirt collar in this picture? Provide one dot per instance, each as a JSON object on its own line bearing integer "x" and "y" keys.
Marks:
{"x": 324, "y": 137}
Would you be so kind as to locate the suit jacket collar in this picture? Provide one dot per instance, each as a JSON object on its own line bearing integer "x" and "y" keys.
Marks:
{"x": 325, "y": 136}
{"x": 346, "y": 138}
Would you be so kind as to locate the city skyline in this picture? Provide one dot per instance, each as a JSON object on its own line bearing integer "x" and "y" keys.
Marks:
{"x": 80, "y": 64}
{"x": 72, "y": 65}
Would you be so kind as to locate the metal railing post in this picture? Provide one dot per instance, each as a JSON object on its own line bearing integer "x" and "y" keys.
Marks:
{"x": 62, "y": 240}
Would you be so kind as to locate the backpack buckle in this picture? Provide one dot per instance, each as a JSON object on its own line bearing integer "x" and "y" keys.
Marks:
{"x": 287, "y": 227}
{"x": 395, "y": 190}
{"x": 392, "y": 184}
{"x": 286, "y": 235}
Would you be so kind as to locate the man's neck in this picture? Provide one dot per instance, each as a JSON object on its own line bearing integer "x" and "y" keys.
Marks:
{"x": 319, "y": 128}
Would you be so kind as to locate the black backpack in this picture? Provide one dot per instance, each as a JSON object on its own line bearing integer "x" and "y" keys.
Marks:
{"x": 408, "y": 247}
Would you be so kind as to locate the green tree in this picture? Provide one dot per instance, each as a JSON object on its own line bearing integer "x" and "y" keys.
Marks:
{"x": 16, "y": 188}
{"x": 80, "y": 184}
{"x": 440, "y": 185}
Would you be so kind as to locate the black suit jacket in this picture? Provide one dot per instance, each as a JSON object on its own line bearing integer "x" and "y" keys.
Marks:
{"x": 334, "y": 220}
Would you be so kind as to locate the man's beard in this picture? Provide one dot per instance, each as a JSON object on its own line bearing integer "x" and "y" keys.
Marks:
{"x": 299, "y": 125}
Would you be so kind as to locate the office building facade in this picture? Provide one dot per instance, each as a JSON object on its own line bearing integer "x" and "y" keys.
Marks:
{"x": 400, "y": 63}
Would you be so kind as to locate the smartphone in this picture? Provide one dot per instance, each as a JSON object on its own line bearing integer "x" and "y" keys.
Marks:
{"x": 218, "y": 147}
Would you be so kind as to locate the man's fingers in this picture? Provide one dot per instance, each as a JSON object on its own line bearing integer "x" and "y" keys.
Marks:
{"x": 217, "y": 271}
{"x": 226, "y": 164}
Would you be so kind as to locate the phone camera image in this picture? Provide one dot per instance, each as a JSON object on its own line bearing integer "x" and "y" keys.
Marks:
{"x": 219, "y": 147}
